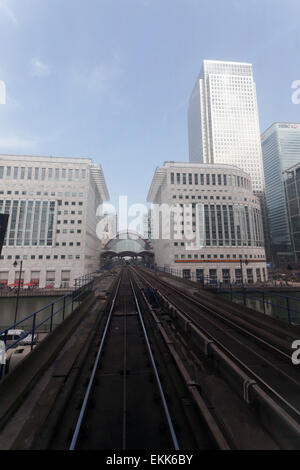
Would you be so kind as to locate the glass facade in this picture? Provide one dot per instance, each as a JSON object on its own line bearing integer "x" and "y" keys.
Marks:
{"x": 292, "y": 191}
{"x": 223, "y": 119}
{"x": 281, "y": 150}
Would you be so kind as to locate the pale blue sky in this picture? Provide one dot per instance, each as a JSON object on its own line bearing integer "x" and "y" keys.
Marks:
{"x": 110, "y": 79}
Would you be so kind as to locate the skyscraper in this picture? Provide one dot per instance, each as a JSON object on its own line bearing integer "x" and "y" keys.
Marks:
{"x": 292, "y": 194}
{"x": 281, "y": 150}
{"x": 223, "y": 122}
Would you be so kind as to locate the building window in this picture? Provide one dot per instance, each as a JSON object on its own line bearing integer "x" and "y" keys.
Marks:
{"x": 186, "y": 273}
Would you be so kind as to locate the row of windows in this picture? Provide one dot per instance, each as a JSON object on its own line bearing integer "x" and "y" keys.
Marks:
{"x": 226, "y": 275}
{"x": 71, "y": 213}
{"x": 210, "y": 180}
{"x": 68, "y": 231}
{"x": 40, "y": 257}
{"x": 196, "y": 256}
{"x": 222, "y": 225}
{"x": 69, "y": 203}
{"x": 69, "y": 221}
{"x": 43, "y": 174}
{"x": 39, "y": 193}
{"x": 68, "y": 244}
{"x": 218, "y": 198}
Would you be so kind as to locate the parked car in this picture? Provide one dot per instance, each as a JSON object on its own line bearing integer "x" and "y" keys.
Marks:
{"x": 15, "y": 335}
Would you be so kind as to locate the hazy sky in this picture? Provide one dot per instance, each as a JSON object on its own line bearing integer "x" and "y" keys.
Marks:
{"x": 110, "y": 79}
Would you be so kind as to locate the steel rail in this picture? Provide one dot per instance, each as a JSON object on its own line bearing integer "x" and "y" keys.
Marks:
{"x": 224, "y": 319}
{"x": 164, "y": 402}
{"x": 233, "y": 356}
{"x": 92, "y": 378}
{"x": 214, "y": 428}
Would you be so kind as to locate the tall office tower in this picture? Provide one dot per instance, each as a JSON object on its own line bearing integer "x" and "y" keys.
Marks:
{"x": 292, "y": 194}
{"x": 223, "y": 122}
{"x": 52, "y": 204}
{"x": 281, "y": 150}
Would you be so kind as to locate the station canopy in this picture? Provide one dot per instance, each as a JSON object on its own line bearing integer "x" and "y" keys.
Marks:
{"x": 127, "y": 243}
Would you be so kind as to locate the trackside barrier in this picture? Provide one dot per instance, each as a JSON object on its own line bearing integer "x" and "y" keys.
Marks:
{"x": 237, "y": 293}
{"x": 281, "y": 425}
{"x": 83, "y": 286}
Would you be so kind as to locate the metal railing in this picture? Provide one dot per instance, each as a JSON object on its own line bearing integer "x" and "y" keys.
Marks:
{"x": 271, "y": 303}
{"x": 83, "y": 285}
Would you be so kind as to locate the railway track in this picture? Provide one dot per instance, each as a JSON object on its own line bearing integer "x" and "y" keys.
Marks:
{"x": 259, "y": 366}
{"x": 135, "y": 397}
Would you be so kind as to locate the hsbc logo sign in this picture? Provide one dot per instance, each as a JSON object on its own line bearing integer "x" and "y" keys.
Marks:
{"x": 288, "y": 126}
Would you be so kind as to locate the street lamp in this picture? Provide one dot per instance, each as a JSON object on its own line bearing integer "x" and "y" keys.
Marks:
{"x": 17, "y": 301}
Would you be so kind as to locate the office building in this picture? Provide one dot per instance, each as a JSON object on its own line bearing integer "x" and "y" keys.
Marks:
{"x": 52, "y": 204}
{"x": 281, "y": 150}
{"x": 223, "y": 121}
{"x": 292, "y": 194}
{"x": 207, "y": 222}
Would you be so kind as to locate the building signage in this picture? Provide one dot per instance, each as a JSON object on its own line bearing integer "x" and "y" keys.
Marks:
{"x": 288, "y": 126}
